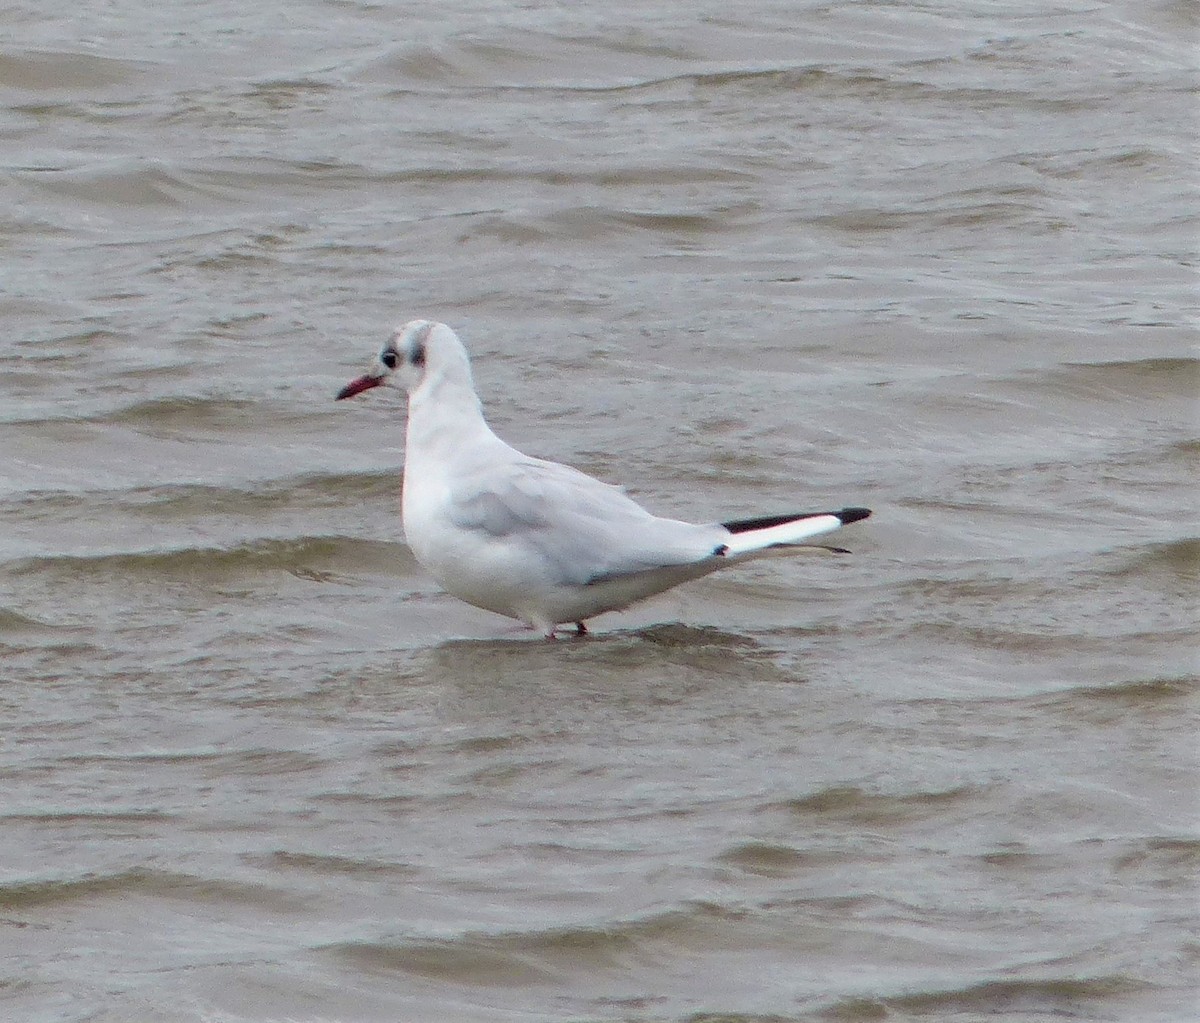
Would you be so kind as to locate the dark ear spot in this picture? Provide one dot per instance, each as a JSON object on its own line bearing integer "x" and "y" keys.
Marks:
{"x": 418, "y": 344}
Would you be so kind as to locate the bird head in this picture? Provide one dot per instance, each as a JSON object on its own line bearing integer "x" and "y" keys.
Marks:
{"x": 416, "y": 352}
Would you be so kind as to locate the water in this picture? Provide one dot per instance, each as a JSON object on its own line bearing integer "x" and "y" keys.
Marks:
{"x": 938, "y": 260}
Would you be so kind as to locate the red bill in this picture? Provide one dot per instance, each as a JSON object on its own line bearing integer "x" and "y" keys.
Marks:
{"x": 363, "y": 383}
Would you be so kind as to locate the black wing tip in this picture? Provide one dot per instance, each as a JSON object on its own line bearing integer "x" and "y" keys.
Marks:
{"x": 848, "y": 515}
{"x": 763, "y": 522}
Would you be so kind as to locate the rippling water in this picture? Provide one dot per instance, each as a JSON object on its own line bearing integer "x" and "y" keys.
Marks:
{"x": 939, "y": 260}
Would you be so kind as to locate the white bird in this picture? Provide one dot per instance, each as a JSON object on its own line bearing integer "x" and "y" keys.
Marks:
{"x": 532, "y": 539}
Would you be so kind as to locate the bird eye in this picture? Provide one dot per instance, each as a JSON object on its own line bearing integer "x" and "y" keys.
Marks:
{"x": 389, "y": 359}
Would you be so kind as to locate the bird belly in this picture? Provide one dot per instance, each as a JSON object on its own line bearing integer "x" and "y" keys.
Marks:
{"x": 579, "y": 603}
{"x": 480, "y": 573}
{"x": 500, "y": 577}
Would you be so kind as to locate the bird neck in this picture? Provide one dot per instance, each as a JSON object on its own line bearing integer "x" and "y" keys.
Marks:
{"x": 443, "y": 416}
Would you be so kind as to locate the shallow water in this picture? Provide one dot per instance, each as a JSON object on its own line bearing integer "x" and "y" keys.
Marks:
{"x": 939, "y": 261}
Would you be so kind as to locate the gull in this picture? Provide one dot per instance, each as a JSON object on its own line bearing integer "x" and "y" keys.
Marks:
{"x": 532, "y": 539}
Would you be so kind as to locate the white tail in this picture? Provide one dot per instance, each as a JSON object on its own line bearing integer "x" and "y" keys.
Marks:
{"x": 748, "y": 536}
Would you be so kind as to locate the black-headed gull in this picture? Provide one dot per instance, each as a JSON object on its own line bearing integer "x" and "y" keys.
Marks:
{"x": 535, "y": 540}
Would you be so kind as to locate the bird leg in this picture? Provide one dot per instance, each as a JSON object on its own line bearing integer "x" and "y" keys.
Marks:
{"x": 550, "y": 631}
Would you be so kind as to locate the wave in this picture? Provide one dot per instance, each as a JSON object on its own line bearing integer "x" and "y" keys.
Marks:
{"x": 187, "y": 184}
{"x": 128, "y": 183}
{"x": 1050, "y": 996}
{"x": 542, "y": 956}
{"x": 14, "y": 621}
{"x": 950, "y": 211}
{"x": 602, "y": 64}
{"x": 611, "y": 176}
{"x": 28, "y": 894}
{"x": 56, "y": 71}
{"x": 1155, "y": 378}
{"x": 186, "y": 412}
{"x": 326, "y": 863}
{"x": 1179, "y": 559}
{"x": 180, "y": 416}
{"x": 1159, "y": 693}
{"x": 157, "y": 184}
{"x": 316, "y": 558}
{"x": 186, "y": 501}
{"x": 1180, "y": 855}
{"x": 767, "y": 859}
{"x": 597, "y": 222}
{"x": 854, "y": 804}
{"x": 92, "y": 818}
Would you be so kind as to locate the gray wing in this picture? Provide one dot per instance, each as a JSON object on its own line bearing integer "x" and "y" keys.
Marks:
{"x": 582, "y": 530}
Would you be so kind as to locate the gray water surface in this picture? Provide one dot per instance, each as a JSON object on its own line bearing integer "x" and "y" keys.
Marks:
{"x": 938, "y": 260}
